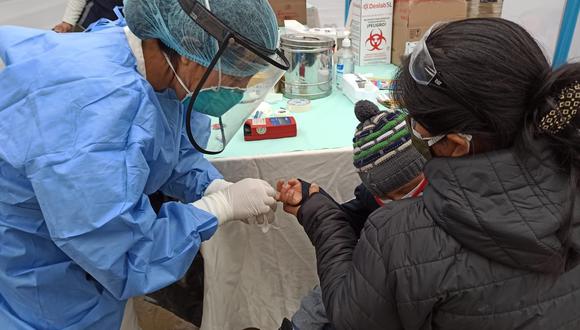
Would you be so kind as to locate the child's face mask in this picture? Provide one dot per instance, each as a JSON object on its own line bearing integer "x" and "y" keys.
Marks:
{"x": 418, "y": 190}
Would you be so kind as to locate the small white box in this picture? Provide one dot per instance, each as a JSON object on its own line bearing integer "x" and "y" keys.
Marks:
{"x": 372, "y": 31}
{"x": 354, "y": 92}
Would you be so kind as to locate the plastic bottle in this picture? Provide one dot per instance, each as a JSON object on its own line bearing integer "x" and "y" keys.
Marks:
{"x": 344, "y": 62}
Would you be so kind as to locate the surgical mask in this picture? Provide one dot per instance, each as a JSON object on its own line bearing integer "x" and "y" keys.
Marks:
{"x": 217, "y": 102}
{"x": 210, "y": 101}
{"x": 428, "y": 142}
{"x": 415, "y": 192}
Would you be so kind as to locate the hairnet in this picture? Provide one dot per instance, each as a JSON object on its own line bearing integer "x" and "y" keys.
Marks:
{"x": 166, "y": 21}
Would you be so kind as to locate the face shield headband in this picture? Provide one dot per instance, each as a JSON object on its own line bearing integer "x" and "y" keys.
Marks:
{"x": 423, "y": 71}
{"x": 255, "y": 69}
{"x": 421, "y": 66}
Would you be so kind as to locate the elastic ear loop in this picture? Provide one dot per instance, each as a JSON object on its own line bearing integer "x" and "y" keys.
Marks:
{"x": 181, "y": 82}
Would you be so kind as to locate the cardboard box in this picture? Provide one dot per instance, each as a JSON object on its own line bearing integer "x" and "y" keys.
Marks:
{"x": 484, "y": 8}
{"x": 412, "y": 18}
{"x": 371, "y": 31}
{"x": 289, "y": 10}
{"x": 153, "y": 317}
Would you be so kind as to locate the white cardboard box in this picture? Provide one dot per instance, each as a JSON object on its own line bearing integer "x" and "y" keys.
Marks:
{"x": 354, "y": 93}
{"x": 371, "y": 31}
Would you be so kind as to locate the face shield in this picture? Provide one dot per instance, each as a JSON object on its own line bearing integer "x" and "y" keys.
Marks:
{"x": 421, "y": 66}
{"x": 234, "y": 84}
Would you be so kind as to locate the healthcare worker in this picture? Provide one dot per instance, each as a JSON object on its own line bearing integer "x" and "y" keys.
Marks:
{"x": 91, "y": 123}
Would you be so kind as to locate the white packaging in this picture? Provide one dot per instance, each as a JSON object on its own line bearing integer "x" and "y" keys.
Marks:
{"x": 372, "y": 31}
{"x": 294, "y": 27}
{"x": 355, "y": 92}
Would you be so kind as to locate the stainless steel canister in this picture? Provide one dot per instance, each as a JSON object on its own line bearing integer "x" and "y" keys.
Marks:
{"x": 310, "y": 73}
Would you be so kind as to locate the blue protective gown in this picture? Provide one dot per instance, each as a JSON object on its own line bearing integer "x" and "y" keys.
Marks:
{"x": 83, "y": 139}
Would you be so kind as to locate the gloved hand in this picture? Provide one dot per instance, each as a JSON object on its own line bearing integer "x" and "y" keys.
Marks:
{"x": 241, "y": 200}
{"x": 250, "y": 197}
{"x": 217, "y": 185}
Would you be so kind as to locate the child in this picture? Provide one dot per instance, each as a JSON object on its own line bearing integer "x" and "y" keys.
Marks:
{"x": 390, "y": 169}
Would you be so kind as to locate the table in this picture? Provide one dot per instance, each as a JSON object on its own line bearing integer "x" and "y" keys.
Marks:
{"x": 255, "y": 279}
{"x": 329, "y": 125}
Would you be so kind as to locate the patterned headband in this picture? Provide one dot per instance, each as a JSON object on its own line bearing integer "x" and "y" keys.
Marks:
{"x": 564, "y": 113}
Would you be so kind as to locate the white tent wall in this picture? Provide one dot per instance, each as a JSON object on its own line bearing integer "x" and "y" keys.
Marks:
{"x": 330, "y": 13}
{"x": 542, "y": 19}
{"x": 42, "y": 14}
{"x": 575, "y": 48}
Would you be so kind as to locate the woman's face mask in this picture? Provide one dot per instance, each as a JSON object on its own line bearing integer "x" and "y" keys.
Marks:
{"x": 425, "y": 144}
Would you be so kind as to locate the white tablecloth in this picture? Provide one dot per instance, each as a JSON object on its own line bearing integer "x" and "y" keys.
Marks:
{"x": 254, "y": 279}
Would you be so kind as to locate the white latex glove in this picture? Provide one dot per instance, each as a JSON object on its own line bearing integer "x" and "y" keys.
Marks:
{"x": 241, "y": 200}
{"x": 217, "y": 185}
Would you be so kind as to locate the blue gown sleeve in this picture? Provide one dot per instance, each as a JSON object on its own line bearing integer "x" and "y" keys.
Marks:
{"x": 194, "y": 172}
{"x": 96, "y": 213}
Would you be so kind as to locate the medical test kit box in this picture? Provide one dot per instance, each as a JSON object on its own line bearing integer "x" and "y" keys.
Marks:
{"x": 371, "y": 31}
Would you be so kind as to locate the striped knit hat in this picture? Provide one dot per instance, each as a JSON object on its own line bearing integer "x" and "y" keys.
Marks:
{"x": 384, "y": 155}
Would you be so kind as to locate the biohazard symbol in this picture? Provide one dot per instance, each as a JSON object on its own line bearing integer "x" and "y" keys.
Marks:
{"x": 375, "y": 40}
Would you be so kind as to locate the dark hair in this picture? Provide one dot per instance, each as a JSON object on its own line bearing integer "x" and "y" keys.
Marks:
{"x": 498, "y": 86}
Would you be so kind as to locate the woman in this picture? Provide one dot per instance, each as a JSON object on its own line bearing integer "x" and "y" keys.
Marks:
{"x": 493, "y": 242}
{"x": 91, "y": 124}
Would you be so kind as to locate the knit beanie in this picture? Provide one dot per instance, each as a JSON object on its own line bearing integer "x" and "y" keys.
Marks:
{"x": 384, "y": 155}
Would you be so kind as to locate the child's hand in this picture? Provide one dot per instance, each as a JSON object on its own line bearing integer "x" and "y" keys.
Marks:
{"x": 290, "y": 194}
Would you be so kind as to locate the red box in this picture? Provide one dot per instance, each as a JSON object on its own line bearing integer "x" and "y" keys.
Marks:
{"x": 269, "y": 128}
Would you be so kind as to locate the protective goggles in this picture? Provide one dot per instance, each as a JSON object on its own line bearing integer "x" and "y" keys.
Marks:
{"x": 422, "y": 69}
{"x": 234, "y": 84}
{"x": 421, "y": 66}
